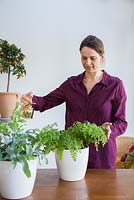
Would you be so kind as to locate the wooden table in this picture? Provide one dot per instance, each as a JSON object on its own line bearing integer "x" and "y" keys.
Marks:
{"x": 98, "y": 184}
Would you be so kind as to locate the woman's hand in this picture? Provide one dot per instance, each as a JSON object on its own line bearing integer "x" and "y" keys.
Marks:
{"x": 108, "y": 129}
{"x": 26, "y": 99}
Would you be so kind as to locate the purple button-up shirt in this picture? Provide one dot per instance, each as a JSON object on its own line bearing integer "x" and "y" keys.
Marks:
{"x": 106, "y": 102}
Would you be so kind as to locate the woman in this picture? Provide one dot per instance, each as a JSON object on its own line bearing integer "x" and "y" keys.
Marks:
{"x": 93, "y": 96}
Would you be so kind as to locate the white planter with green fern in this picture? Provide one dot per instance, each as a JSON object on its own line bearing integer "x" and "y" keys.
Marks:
{"x": 72, "y": 141}
{"x": 14, "y": 184}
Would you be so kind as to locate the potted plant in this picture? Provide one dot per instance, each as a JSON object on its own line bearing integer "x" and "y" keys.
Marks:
{"x": 11, "y": 63}
{"x": 71, "y": 147}
{"x": 19, "y": 150}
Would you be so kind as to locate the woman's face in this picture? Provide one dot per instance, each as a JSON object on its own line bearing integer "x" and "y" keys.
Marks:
{"x": 91, "y": 60}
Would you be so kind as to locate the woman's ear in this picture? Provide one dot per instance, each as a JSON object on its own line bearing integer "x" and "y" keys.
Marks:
{"x": 102, "y": 58}
{"x": 103, "y": 61}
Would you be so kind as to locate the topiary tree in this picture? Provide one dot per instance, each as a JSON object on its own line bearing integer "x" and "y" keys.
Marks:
{"x": 11, "y": 61}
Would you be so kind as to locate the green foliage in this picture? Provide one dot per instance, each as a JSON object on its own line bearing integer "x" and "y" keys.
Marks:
{"x": 49, "y": 136}
{"x": 76, "y": 137}
{"x": 52, "y": 140}
{"x": 17, "y": 144}
{"x": 11, "y": 60}
{"x": 89, "y": 133}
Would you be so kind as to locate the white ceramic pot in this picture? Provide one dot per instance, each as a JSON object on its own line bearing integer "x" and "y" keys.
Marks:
{"x": 70, "y": 170}
{"x": 14, "y": 184}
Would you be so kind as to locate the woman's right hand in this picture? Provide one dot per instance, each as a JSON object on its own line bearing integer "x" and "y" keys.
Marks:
{"x": 108, "y": 129}
{"x": 26, "y": 99}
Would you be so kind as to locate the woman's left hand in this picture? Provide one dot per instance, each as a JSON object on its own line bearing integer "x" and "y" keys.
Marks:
{"x": 108, "y": 129}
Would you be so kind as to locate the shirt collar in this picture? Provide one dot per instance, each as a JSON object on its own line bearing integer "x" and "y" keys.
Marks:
{"x": 105, "y": 78}
{"x": 103, "y": 81}
{"x": 80, "y": 77}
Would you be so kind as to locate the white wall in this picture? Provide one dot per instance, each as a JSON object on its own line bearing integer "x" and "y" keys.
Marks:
{"x": 49, "y": 33}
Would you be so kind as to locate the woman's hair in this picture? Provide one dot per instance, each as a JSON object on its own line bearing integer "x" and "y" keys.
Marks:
{"x": 94, "y": 43}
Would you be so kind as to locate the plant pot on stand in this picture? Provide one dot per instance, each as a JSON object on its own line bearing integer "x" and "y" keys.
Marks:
{"x": 7, "y": 103}
{"x": 11, "y": 63}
